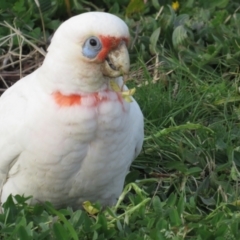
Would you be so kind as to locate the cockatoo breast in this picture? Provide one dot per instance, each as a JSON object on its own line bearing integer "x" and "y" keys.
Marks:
{"x": 84, "y": 145}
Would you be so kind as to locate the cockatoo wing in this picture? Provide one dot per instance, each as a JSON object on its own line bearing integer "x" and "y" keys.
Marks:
{"x": 13, "y": 105}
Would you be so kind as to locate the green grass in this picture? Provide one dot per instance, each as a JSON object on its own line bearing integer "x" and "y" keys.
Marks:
{"x": 186, "y": 182}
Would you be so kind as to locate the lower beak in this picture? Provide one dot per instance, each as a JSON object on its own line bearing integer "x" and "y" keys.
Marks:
{"x": 117, "y": 62}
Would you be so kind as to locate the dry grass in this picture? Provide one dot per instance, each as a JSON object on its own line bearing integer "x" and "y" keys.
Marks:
{"x": 16, "y": 63}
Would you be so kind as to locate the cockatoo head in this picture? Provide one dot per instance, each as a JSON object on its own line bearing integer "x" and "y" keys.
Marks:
{"x": 87, "y": 50}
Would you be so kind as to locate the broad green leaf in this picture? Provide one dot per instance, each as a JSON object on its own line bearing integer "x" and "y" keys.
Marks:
{"x": 218, "y": 217}
{"x": 60, "y": 232}
{"x": 235, "y": 175}
{"x": 63, "y": 219}
{"x": 189, "y": 3}
{"x": 76, "y": 218}
{"x": 174, "y": 217}
{"x": 204, "y": 14}
{"x": 65, "y": 212}
{"x": 208, "y": 201}
{"x": 156, "y": 4}
{"x": 217, "y": 3}
{"x": 115, "y": 8}
{"x": 150, "y": 223}
{"x": 101, "y": 220}
{"x": 193, "y": 170}
{"x": 222, "y": 230}
{"x": 171, "y": 201}
{"x": 181, "y": 204}
{"x": 119, "y": 226}
{"x": 193, "y": 217}
{"x": 162, "y": 224}
{"x": 156, "y": 234}
{"x": 44, "y": 235}
{"x": 132, "y": 176}
{"x": 179, "y": 35}
{"x": 95, "y": 235}
{"x": 180, "y": 166}
{"x": 153, "y": 40}
{"x": 19, "y": 6}
{"x": 135, "y": 6}
{"x": 157, "y": 204}
{"x": 54, "y": 24}
{"x": 22, "y": 233}
{"x": 181, "y": 20}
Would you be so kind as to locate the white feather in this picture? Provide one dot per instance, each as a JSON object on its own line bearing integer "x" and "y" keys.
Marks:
{"x": 68, "y": 155}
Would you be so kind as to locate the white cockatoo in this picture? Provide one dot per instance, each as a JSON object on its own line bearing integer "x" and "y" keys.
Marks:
{"x": 66, "y": 136}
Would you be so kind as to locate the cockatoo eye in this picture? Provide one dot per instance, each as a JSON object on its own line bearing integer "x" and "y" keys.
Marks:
{"x": 93, "y": 42}
{"x": 91, "y": 47}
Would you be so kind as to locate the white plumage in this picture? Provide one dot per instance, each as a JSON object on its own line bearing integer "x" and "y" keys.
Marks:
{"x": 65, "y": 135}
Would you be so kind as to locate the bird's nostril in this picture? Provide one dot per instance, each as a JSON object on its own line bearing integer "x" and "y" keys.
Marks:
{"x": 111, "y": 65}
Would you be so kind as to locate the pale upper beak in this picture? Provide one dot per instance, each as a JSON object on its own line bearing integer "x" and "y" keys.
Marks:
{"x": 117, "y": 62}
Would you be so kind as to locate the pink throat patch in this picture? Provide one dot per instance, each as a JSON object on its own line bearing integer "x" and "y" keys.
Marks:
{"x": 88, "y": 100}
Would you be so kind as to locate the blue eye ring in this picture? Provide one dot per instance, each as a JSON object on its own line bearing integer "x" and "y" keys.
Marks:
{"x": 91, "y": 47}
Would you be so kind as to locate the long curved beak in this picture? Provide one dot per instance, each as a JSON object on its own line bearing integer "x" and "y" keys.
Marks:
{"x": 117, "y": 62}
